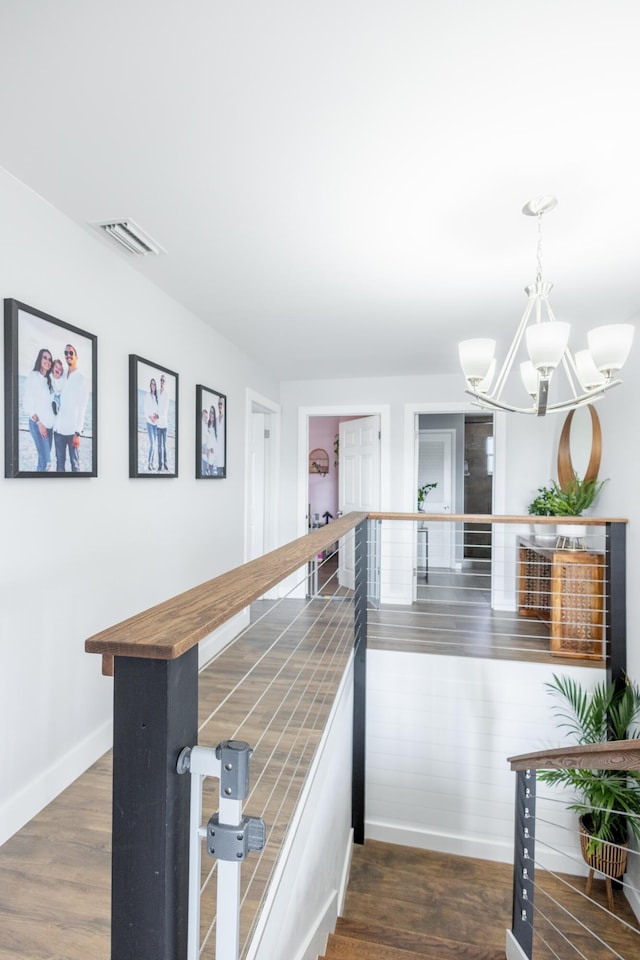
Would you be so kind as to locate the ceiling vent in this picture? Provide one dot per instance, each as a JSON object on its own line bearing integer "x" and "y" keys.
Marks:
{"x": 131, "y": 237}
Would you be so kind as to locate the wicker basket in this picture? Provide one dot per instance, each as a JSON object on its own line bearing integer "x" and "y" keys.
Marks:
{"x": 607, "y": 858}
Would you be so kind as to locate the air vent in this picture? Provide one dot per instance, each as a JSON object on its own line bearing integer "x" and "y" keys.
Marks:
{"x": 131, "y": 237}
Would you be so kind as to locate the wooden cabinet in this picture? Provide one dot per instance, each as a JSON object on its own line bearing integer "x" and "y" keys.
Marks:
{"x": 565, "y": 588}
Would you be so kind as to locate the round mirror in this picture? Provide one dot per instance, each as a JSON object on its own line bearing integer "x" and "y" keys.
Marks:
{"x": 580, "y": 446}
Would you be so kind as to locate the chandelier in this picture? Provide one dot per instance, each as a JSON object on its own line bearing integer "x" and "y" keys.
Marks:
{"x": 589, "y": 373}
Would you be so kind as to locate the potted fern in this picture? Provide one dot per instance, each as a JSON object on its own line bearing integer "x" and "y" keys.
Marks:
{"x": 571, "y": 501}
{"x": 607, "y": 801}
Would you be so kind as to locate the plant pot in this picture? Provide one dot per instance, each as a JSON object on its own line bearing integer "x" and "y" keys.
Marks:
{"x": 544, "y": 534}
{"x": 607, "y": 858}
{"x": 571, "y": 536}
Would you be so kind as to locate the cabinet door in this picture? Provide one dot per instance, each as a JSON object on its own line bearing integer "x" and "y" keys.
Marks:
{"x": 577, "y": 604}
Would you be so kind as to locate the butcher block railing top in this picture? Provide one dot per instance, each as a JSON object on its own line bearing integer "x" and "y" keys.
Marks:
{"x": 613, "y": 755}
{"x": 495, "y": 518}
{"x": 168, "y": 630}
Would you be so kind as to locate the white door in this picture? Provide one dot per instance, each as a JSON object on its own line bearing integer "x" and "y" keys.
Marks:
{"x": 256, "y": 467}
{"x": 359, "y": 486}
{"x": 435, "y": 465}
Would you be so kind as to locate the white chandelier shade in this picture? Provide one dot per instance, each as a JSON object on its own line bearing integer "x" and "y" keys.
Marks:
{"x": 589, "y": 375}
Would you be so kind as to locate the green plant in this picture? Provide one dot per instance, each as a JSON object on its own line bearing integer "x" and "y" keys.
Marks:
{"x": 553, "y": 501}
{"x": 607, "y": 800}
{"x": 424, "y": 491}
{"x": 540, "y": 506}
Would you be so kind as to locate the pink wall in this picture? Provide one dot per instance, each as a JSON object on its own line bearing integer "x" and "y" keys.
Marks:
{"x": 323, "y": 490}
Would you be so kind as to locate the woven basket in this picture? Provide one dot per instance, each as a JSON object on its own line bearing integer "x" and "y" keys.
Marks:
{"x": 607, "y": 858}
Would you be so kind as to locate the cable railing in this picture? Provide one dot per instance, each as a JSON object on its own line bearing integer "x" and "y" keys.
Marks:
{"x": 292, "y": 686}
{"x": 285, "y": 688}
{"x": 571, "y": 896}
{"x": 478, "y": 586}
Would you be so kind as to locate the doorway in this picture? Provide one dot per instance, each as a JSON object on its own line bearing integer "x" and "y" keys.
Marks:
{"x": 263, "y": 435}
{"x": 456, "y": 453}
{"x": 319, "y": 433}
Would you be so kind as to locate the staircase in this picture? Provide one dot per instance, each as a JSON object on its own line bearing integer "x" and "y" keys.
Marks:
{"x": 408, "y": 904}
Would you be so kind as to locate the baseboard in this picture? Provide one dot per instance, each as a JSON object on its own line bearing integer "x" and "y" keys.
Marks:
{"x": 31, "y": 799}
{"x": 325, "y": 923}
{"x": 442, "y": 843}
{"x": 468, "y": 846}
{"x": 513, "y": 949}
{"x": 346, "y": 870}
{"x": 222, "y": 637}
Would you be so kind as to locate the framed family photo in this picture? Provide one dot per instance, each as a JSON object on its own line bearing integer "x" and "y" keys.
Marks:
{"x": 211, "y": 434}
{"x": 153, "y": 419}
{"x": 50, "y": 395}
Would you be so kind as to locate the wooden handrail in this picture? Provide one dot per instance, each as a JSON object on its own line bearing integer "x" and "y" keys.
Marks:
{"x": 495, "y": 518}
{"x": 613, "y": 755}
{"x": 169, "y": 629}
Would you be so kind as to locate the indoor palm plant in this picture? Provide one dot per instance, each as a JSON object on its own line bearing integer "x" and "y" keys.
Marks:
{"x": 608, "y": 801}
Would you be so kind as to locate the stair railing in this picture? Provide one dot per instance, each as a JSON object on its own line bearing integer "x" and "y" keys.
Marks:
{"x": 621, "y": 755}
{"x": 153, "y": 658}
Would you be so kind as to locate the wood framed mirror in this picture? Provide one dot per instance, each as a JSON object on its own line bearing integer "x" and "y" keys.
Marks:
{"x": 580, "y": 446}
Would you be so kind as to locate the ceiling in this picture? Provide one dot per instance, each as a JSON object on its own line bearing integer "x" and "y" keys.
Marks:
{"x": 338, "y": 185}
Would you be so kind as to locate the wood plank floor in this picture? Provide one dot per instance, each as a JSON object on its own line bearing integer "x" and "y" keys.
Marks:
{"x": 440, "y": 906}
{"x": 55, "y": 872}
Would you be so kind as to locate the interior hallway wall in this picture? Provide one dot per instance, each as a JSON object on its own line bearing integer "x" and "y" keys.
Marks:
{"x": 81, "y": 554}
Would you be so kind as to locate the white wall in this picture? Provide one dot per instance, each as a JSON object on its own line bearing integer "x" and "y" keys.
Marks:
{"x": 81, "y": 554}
{"x": 439, "y": 731}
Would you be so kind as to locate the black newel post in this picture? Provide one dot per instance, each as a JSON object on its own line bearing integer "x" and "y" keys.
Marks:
{"x": 616, "y": 602}
{"x": 524, "y": 860}
{"x": 359, "y": 683}
{"x": 155, "y": 716}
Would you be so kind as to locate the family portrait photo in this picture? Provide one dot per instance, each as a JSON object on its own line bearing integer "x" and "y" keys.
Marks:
{"x": 50, "y": 396}
{"x": 153, "y": 419}
{"x": 211, "y": 434}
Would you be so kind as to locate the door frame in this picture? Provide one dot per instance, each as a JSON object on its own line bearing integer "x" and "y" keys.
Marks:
{"x": 340, "y": 410}
{"x": 412, "y": 410}
{"x": 411, "y": 413}
{"x": 256, "y": 403}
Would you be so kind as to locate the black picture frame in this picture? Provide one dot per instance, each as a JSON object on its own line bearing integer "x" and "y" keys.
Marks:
{"x": 43, "y": 438}
{"x": 211, "y": 434}
{"x": 152, "y": 454}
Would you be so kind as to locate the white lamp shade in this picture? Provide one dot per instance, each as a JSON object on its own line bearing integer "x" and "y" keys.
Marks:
{"x": 610, "y": 346}
{"x": 529, "y": 376}
{"x": 588, "y": 374}
{"x": 546, "y": 342}
{"x": 484, "y": 385}
{"x": 475, "y": 358}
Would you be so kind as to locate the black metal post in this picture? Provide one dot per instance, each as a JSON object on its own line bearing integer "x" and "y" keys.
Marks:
{"x": 155, "y": 716}
{"x": 359, "y": 683}
{"x": 524, "y": 860}
{"x": 616, "y": 602}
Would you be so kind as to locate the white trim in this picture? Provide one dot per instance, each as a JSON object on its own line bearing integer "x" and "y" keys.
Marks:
{"x": 315, "y": 943}
{"x": 457, "y": 845}
{"x": 24, "y": 805}
{"x": 383, "y": 410}
{"x": 411, "y": 410}
{"x": 513, "y": 949}
{"x": 256, "y": 403}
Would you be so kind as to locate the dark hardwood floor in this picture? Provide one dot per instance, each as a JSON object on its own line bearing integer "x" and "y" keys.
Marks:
{"x": 55, "y": 872}
{"x": 408, "y": 903}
